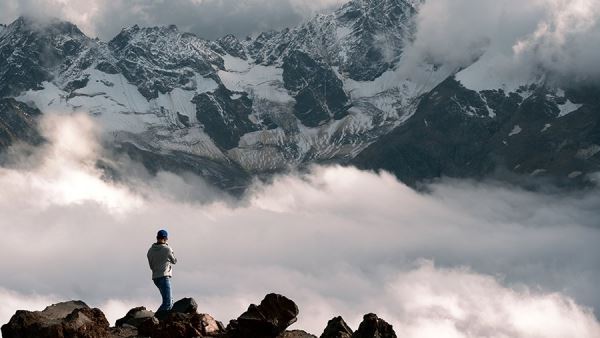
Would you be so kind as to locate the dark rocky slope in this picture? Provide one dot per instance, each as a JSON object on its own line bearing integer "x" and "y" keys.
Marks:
{"x": 269, "y": 319}
{"x": 525, "y": 138}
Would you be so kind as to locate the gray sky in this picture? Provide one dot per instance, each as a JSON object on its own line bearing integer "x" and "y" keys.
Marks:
{"x": 208, "y": 18}
{"x": 467, "y": 259}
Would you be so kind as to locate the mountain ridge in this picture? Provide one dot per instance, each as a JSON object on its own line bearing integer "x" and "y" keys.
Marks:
{"x": 334, "y": 89}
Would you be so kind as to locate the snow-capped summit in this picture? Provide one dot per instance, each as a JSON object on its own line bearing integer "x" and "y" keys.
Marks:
{"x": 334, "y": 89}
{"x": 34, "y": 50}
{"x": 160, "y": 59}
{"x": 364, "y": 38}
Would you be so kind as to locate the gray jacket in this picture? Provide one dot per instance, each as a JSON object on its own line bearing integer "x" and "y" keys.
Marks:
{"x": 160, "y": 258}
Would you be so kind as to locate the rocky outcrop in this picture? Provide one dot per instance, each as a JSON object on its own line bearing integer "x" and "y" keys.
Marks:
{"x": 520, "y": 137}
{"x": 318, "y": 92}
{"x": 135, "y": 317}
{"x": 337, "y": 328}
{"x": 62, "y": 320}
{"x": 269, "y": 319}
{"x": 17, "y": 123}
{"x": 159, "y": 59}
{"x": 374, "y": 327}
{"x": 224, "y": 115}
{"x": 185, "y": 305}
{"x": 182, "y": 321}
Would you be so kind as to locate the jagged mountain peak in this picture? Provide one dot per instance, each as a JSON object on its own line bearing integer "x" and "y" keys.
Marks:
{"x": 164, "y": 30}
{"x": 362, "y": 38}
{"x": 48, "y": 26}
{"x": 159, "y": 59}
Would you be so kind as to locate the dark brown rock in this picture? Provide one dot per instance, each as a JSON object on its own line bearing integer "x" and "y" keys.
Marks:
{"x": 135, "y": 317}
{"x": 185, "y": 305}
{"x": 181, "y": 325}
{"x": 63, "y": 320}
{"x": 125, "y": 331}
{"x": 267, "y": 320}
{"x": 374, "y": 327}
{"x": 337, "y": 328}
{"x": 210, "y": 326}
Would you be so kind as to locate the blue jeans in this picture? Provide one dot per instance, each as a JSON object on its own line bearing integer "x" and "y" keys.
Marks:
{"x": 164, "y": 286}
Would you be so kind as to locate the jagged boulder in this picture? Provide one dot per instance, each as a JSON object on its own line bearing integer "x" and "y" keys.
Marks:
{"x": 337, "y": 328}
{"x": 67, "y": 319}
{"x": 374, "y": 327}
{"x": 185, "y": 305}
{"x": 181, "y": 325}
{"x": 182, "y": 321}
{"x": 267, "y": 320}
{"x": 135, "y": 317}
{"x": 210, "y": 326}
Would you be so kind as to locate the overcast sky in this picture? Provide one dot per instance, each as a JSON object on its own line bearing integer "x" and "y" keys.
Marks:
{"x": 209, "y": 19}
{"x": 464, "y": 260}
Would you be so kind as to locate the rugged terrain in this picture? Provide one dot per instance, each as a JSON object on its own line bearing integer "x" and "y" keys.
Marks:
{"x": 334, "y": 89}
{"x": 269, "y": 319}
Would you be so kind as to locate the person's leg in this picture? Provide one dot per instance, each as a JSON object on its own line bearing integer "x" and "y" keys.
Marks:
{"x": 168, "y": 298}
{"x": 164, "y": 286}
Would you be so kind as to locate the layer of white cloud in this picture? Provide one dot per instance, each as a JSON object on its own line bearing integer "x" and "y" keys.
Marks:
{"x": 338, "y": 241}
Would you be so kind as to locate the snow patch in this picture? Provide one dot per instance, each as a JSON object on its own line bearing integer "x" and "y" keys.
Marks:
{"x": 575, "y": 174}
{"x": 538, "y": 172}
{"x": 546, "y": 127}
{"x": 568, "y": 107}
{"x": 494, "y": 70}
{"x": 260, "y": 81}
{"x": 589, "y": 152}
{"x": 516, "y": 130}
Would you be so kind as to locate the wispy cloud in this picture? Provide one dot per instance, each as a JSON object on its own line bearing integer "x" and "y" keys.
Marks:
{"x": 514, "y": 39}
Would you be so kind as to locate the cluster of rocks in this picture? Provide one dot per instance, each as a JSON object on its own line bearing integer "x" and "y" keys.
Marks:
{"x": 269, "y": 319}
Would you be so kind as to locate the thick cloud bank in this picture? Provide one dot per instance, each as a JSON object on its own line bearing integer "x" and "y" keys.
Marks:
{"x": 465, "y": 260}
{"x": 514, "y": 40}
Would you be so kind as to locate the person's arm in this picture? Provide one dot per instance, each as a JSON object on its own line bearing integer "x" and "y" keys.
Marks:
{"x": 172, "y": 258}
{"x": 149, "y": 261}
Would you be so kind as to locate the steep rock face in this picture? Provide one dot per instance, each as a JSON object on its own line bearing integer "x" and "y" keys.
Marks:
{"x": 319, "y": 94}
{"x": 33, "y": 51}
{"x": 224, "y": 115}
{"x": 232, "y": 46}
{"x": 63, "y": 320}
{"x": 269, "y": 319}
{"x": 337, "y": 328}
{"x": 17, "y": 123}
{"x": 159, "y": 59}
{"x": 363, "y": 38}
{"x": 374, "y": 327}
{"x": 458, "y": 132}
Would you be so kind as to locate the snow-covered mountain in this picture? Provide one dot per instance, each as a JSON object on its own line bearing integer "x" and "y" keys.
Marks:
{"x": 321, "y": 92}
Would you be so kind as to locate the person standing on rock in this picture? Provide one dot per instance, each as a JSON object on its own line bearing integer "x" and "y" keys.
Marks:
{"x": 160, "y": 257}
